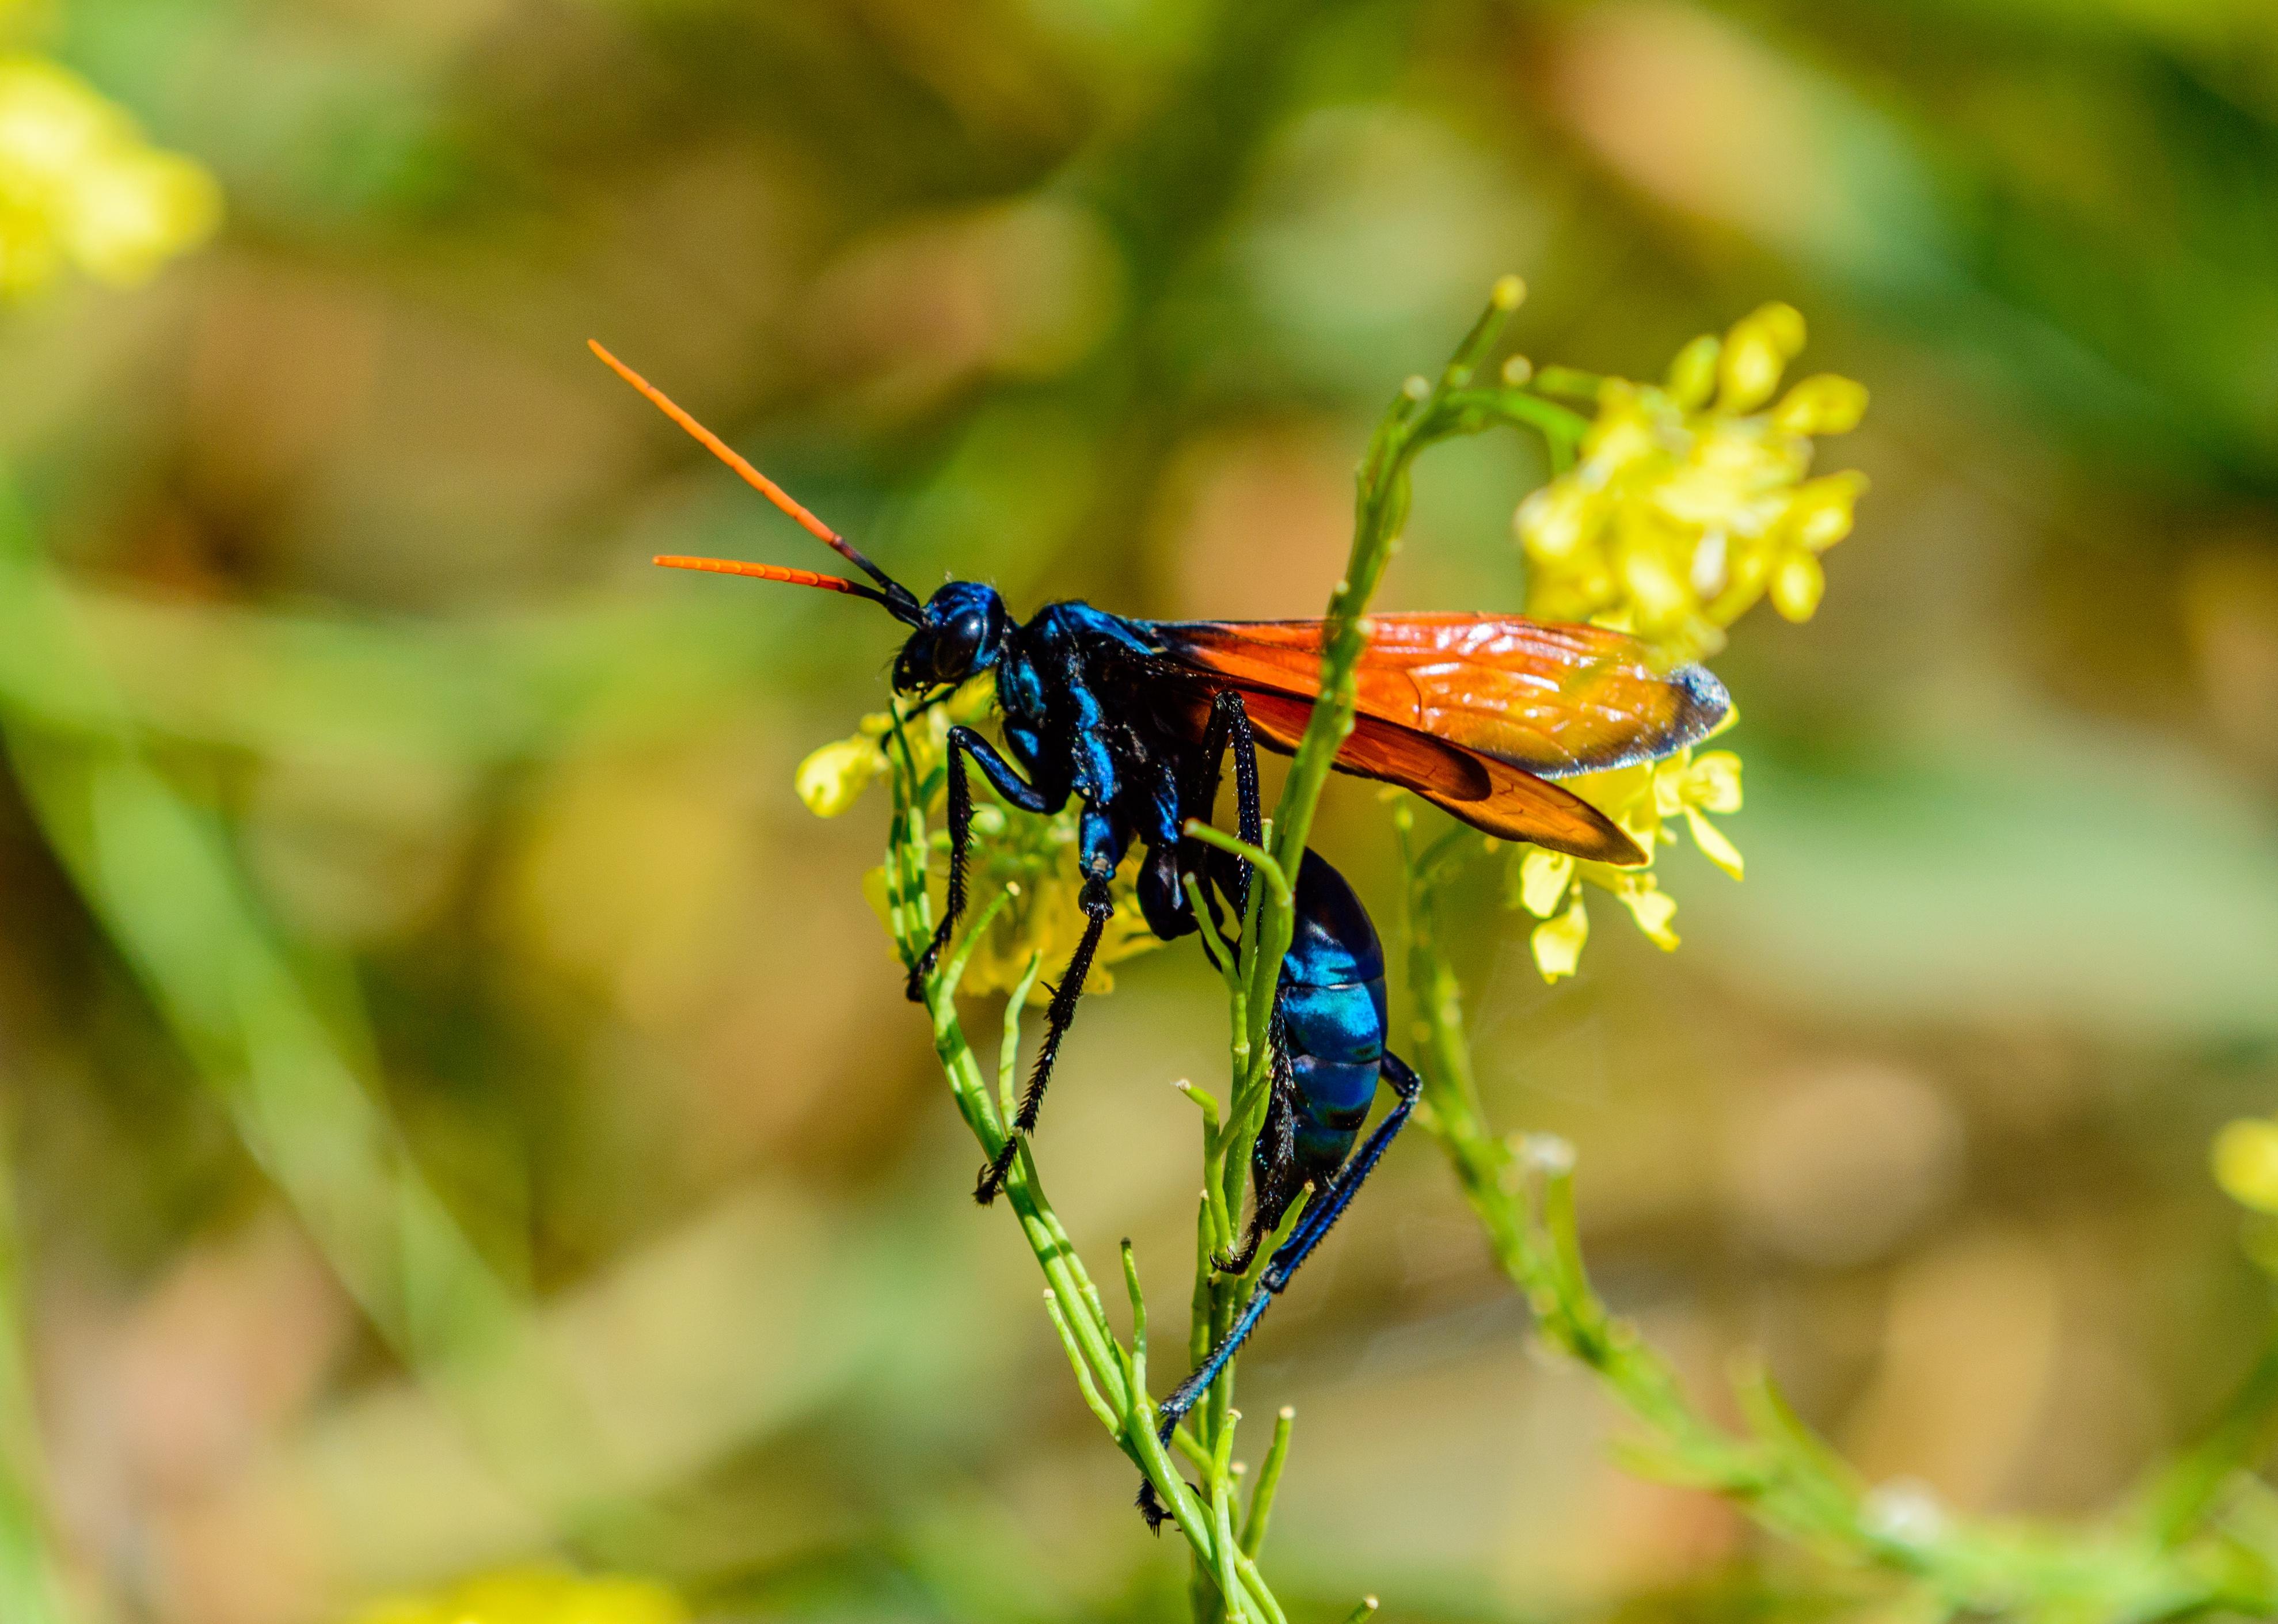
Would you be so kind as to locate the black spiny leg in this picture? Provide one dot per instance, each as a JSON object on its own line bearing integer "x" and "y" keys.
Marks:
{"x": 1275, "y": 1181}
{"x": 1229, "y": 728}
{"x": 963, "y": 741}
{"x": 960, "y": 827}
{"x": 1098, "y": 906}
{"x": 1294, "y": 1251}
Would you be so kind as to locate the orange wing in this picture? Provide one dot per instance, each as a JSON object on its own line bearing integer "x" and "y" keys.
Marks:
{"x": 1489, "y": 794}
{"x": 1551, "y": 700}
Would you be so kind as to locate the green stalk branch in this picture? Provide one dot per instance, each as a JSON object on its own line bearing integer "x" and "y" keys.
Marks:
{"x": 2172, "y": 1562}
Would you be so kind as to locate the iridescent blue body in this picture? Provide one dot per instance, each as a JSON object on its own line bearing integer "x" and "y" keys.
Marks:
{"x": 1093, "y": 709}
{"x": 1330, "y": 1012}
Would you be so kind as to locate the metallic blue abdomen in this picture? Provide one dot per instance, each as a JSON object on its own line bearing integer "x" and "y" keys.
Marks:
{"x": 1344, "y": 1022}
{"x": 1333, "y": 1017}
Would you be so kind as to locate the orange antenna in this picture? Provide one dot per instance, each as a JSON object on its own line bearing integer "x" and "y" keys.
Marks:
{"x": 892, "y": 594}
{"x": 771, "y": 572}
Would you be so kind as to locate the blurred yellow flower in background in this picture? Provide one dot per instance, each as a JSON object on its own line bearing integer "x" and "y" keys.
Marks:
{"x": 1030, "y": 860}
{"x": 1689, "y": 502}
{"x": 2246, "y": 1156}
{"x": 80, "y": 186}
{"x": 535, "y": 1595}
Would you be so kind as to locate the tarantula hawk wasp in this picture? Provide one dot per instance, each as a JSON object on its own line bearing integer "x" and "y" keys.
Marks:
{"x": 1478, "y": 714}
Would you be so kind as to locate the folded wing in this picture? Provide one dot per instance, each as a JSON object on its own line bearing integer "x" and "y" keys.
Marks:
{"x": 1551, "y": 700}
{"x": 1489, "y": 794}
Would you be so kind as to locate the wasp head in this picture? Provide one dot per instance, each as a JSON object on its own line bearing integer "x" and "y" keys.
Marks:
{"x": 961, "y": 633}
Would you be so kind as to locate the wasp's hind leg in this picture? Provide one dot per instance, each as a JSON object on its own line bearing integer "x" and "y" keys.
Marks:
{"x": 1335, "y": 1195}
{"x": 1007, "y": 781}
{"x": 1101, "y": 853}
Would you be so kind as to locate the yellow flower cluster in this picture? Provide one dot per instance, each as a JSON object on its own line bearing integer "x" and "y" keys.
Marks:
{"x": 1688, "y": 504}
{"x": 1030, "y": 861}
{"x": 536, "y": 1596}
{"x": 1688, "y": 501}
{"x": 80, "y": 186}
{"x": 1645, "y": 800}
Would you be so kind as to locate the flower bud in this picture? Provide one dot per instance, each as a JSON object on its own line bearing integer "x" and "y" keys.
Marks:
{"x": 1822, "y": 404}
{"x": 1819, "y": 514}
{"x": 1691, "y": 376}
{"x": 1757, "y": 352}
{"x": 1797, "y": 585}
{"x": 833, "y": 778}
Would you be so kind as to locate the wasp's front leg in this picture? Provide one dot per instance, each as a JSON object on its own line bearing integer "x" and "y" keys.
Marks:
{"x": 1017, "y": 791}
{"x": 1101, "y": 848}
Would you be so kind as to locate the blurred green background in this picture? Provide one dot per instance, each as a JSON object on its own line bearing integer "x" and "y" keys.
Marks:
{"x": 458, "y": 1104}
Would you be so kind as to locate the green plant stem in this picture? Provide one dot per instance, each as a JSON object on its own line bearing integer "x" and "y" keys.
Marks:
{"x": 156, "y": 871}
{"x": 1422, "y": 414}
{"x": 1269, "y": 1481}
{"x": 1111, "y": 1376}
{"x": 2168, "y": 1565}
{"x": 2178, "y": 1499}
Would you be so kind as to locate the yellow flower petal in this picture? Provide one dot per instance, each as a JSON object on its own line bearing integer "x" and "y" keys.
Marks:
{"x": 2245, "y": 1155}
{"x": 1712, "y": 782}
{"x": 1713, "y": 844}
{"x": 1555, "y": 522}
{"x": 1651, "y": 907}
{"x": 1825, "y": 404}
{"x": 1668, "y": 784}
{"x": 1797, "y": 585}
{"x": 1544, "y": 879}
{"x": 1659, "y": 592}
{"x": 833, "y": 778}
{"x": 1558, "y": 944}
